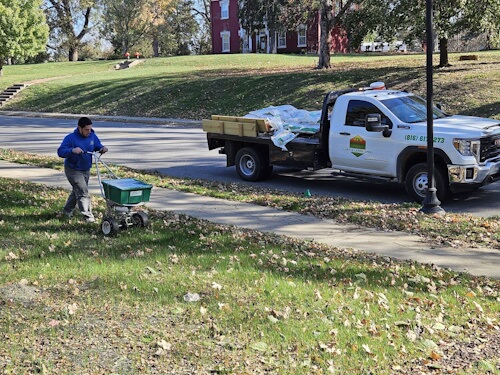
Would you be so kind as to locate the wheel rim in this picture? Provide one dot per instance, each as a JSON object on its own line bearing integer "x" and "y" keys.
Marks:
{"x": 421, "y": 184}
{"x": 247, "y": 165}
{"x": 140, "y": 219}
{"x": 106, "y": 227}
{"x": 137, "y": 220}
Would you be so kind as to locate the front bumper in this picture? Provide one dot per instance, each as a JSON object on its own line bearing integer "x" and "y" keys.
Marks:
{"x": 469, "y": 177}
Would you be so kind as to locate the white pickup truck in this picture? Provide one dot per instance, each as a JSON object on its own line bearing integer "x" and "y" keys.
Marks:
{"x": 370, "y": 133}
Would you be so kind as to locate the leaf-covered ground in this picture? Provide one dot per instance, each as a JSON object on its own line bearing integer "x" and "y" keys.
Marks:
{"x": 74, "y": 301}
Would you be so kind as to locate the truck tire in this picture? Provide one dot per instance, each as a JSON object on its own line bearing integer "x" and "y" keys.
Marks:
{"x": 416, "y": 183}
{"x": 252, "y": 165}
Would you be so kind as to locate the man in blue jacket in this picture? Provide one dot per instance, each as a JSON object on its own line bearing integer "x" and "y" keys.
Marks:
{"x": 74, "y": 149}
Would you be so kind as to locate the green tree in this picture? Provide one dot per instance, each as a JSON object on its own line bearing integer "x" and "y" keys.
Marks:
{"x": 23, "y": 29}
{"x": 484, "y": 16}
{"x": 128, "y": 22}
{"x": 364, "y": 19}
{"x": 179, "y": 30}
{"x": 258, "y": 14}
{"x": 123, "y": 24}
{"x": 406, "y": 18}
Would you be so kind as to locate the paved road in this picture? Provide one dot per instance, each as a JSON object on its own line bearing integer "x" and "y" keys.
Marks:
{"x": 181, "y": 151}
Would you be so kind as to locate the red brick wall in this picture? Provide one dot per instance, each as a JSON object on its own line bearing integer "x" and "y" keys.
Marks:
{"x": 231, "y": 24}
{"x": 338, "y": 38}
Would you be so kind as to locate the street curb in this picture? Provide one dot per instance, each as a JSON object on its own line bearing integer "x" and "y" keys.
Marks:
{"x": 127, "y": 119}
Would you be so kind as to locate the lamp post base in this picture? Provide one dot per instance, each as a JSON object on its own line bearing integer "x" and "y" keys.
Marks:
{"x": 431, "y": 204}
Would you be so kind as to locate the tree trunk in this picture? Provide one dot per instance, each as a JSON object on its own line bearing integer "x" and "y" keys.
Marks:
{"x": 325, "y": 23}
{"x": 73, "y": 54}
{"x": 443, "y": 52}
{"x": 488, "y": 41}
{"x": 156, "y": 46}
{"x": 324, "y": 56}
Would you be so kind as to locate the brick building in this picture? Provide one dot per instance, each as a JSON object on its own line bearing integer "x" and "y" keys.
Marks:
{"x": 229, "y": 37}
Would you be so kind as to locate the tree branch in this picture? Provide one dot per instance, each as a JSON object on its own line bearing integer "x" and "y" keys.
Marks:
{"x": 200, "y": 13}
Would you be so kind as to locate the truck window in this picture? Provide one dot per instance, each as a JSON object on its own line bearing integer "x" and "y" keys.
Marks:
{"x": 411, "y": 109}
{"x": 358, "y": 109}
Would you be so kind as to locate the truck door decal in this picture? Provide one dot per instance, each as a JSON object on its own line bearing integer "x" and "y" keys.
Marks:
{"x": 357, "y": 146}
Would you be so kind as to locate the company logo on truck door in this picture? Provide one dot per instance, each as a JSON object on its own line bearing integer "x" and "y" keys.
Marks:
{"x": 357, "y": 146}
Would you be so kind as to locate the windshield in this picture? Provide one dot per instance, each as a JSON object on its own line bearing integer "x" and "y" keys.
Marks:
{"x": 411, "y": 109}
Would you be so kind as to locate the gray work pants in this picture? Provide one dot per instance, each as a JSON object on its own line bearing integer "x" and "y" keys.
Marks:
{"x": 79, "y": 180}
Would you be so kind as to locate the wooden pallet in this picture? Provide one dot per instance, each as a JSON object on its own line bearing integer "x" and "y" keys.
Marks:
{"x": 242, "y": 126}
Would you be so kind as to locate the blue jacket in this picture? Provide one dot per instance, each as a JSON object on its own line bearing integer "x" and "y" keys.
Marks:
{"x": 80, "y": 162}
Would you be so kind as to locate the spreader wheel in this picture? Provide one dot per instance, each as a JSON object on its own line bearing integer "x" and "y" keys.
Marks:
{"x": 109, "y": 226}
{"x": 140, "y": 219}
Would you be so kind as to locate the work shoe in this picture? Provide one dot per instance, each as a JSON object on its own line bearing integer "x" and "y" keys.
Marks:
{"x": 68, "y": 214}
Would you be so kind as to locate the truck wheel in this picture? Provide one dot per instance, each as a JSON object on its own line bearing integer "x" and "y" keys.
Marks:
{"x": 417, "y": 183}
{"x": 251, "y": 164}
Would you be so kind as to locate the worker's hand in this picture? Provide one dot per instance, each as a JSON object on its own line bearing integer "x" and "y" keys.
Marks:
{"x": 103, "y": 150}
{"x": 77, "y": 150}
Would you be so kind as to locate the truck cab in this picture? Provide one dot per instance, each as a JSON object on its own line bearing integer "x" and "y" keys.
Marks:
{"x": 398, "y": 148}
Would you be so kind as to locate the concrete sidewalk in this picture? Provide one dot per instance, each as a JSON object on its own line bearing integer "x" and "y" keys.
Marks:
{"x": 479, "y": 262}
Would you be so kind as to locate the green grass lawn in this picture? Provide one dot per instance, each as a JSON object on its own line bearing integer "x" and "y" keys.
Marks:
{"x": 74, "y": 301}
{"x": 194, "y": 87}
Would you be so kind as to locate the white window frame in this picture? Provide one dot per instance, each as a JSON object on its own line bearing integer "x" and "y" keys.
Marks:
{"x": 224, "y": 9}
{"x": 302, "y": 39}
{"x": 226, "y": 41}
{"x": 281, "y": 37}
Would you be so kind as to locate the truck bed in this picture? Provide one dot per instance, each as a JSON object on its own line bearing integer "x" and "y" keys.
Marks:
{"x": 243, "y": 127}
{"x": 233, "y": 133}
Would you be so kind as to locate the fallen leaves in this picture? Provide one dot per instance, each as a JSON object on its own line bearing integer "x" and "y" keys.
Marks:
{"x": 162, "y": 348}
{"x": 288, "y": 301}
{"x": 11, "y": 256}
{"x": 259, "y": 346}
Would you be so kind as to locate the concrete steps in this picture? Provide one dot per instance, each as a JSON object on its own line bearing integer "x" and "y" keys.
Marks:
{"x": 10, "y": 92}
{"x": 128, "y": 64}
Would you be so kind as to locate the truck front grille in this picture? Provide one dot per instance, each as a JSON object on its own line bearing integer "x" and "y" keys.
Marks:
{"x": 490, "y": 147}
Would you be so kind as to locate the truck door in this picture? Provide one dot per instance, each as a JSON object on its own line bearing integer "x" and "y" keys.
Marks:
{"x": 353, "y": 148}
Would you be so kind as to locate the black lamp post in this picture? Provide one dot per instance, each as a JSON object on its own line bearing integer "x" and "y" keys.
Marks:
{"x": 431, "y": 204}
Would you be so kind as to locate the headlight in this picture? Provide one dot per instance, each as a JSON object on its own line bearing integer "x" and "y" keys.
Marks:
{"x": 468, "y": 147}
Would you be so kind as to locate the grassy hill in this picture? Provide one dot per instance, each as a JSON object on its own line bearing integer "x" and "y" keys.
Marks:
{"x": 193, "y": 87}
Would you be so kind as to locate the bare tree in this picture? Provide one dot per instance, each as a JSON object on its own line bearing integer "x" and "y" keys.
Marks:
{"x": 69, "y": 20}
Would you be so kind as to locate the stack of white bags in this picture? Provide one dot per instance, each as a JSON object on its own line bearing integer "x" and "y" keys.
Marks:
{"x": 287, "y": 122}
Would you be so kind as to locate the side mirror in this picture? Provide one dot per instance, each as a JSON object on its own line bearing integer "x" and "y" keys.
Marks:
{"x": 373, "y": 123}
